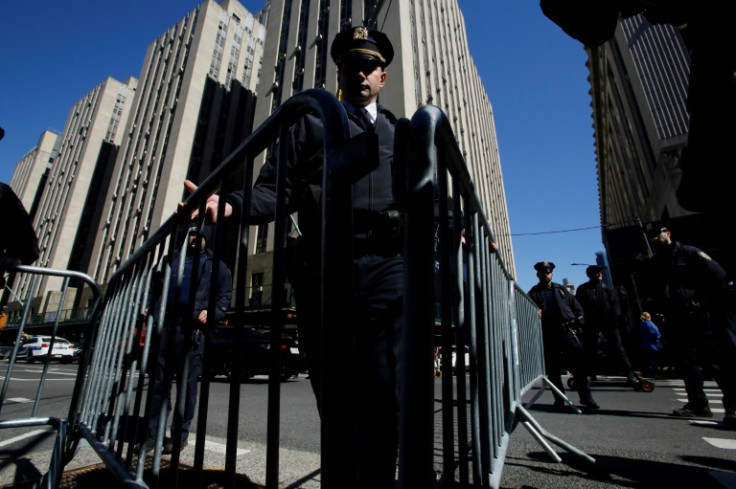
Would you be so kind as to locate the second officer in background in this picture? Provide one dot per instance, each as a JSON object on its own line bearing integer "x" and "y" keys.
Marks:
{"x": 562, "y": 322}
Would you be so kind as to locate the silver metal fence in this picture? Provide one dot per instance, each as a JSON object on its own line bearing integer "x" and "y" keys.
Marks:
{"x": 478, "y": 305}
{"x": 481, "y": 308}
{"x": 72, "y": 283}
{"x": 111, "y": 409}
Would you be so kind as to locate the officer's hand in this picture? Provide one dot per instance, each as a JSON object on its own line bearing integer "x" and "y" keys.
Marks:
{"x": 202, "y": 318}
{"x": 211, "y": 206}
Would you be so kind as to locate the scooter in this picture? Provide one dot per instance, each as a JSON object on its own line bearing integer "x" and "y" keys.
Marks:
{"x": 639, "y": 383}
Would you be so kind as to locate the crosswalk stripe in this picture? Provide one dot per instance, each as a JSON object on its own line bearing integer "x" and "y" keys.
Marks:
{"x": 21, "y": 437}
{"x": 713, "y": 409}
{"x": 710, "y": 401}
{"x": 726, "y": 443}
{"x": 17, "y": 400}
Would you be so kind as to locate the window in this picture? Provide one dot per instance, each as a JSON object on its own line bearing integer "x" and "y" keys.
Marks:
{"x": 256, "y": 290}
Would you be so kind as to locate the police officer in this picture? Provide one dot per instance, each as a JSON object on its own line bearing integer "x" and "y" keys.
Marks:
{"x": 602, "y": 316}
{"x": 562, "y": 322}
{"x": 361, "y": 56}
{"x": 693, "y": 292}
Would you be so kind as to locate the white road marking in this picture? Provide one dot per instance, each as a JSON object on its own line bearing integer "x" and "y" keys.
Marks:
{"x": 726, "y": 443}
{"x": 21, "y": 437}
{"x": 17, "y": 400}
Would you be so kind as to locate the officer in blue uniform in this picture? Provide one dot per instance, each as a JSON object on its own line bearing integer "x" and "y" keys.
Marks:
{"x": 562, "y": 322}
{"x": 361, "y": 55}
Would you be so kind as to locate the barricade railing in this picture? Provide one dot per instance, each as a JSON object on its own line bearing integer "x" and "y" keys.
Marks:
{"x": 75, "y": 287}
{"x": 112, "y": 408}
{"x": 481, "y": 308}
{"x": 479, "y": 305}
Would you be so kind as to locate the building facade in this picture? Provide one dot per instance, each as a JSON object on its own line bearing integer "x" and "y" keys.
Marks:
{"x": 213, "y": 76}
{"x": 32, "y": 170}
{"x": 215, "y": 49}
{"x": 74, "y": 185}
{"x": 640, "y": 88}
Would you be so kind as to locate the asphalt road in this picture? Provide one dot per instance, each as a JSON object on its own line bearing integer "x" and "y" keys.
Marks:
{"x": 635, "y": 442}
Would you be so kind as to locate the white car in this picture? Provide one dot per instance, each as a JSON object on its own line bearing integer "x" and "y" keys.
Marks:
{"x": 466, "y": 359}
{"x": 37, "y": 347}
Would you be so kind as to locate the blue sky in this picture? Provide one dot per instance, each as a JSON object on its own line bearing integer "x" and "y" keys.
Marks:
{"x": 53, "y": 53}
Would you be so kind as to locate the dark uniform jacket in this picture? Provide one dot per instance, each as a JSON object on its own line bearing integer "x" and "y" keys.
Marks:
{"x": 18, "y": 238}
{"x": 563, "y": 313}
{"x": 373, "y": 193}
{"x": 600, "y": 303}
{"x": 689, "y": 277}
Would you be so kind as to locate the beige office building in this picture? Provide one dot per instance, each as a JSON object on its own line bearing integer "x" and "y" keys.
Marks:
{"x": 69, "y": 193}
{"x": 31, "y": 169}
{"x": 214, "y": 50}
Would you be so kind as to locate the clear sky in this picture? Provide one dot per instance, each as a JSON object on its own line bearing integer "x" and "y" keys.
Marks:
{"x": 52, "y": 53}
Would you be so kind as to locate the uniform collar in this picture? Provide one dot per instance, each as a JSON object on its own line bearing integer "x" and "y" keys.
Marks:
{"x": 372, "y": 110}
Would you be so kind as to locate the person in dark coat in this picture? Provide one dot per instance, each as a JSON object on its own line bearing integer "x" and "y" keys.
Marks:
{"x": 562, "y": 322}
{"x": 602, "y": 317}
{"x": 361, "y": 55}
{"x": 18, "y": 240}
{"x": 693, "y": 292}
{"x": 185, "y": 341}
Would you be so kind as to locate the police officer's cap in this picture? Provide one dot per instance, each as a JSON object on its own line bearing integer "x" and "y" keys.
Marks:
{"x": 593, "y": 270}
{"x": 544, "y": 266}
{"x": 655, "y": 231}
{"x": 362, "y": 43}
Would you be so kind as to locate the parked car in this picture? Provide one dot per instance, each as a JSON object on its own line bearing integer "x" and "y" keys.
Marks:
{"x": 466, "y": 359}
{"x": 254, "y": 354}
{"x": 37, "y": 347}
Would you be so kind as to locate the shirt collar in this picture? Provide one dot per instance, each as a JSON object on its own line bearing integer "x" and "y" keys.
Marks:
{"x": 372, "y": 110}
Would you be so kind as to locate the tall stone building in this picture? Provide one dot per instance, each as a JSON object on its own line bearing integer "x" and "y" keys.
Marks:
{"x": 32, "y": 170}
{"x": 219, "y": 72}
{"x": 73, "y": 188}
{"x": 194, "y": 93}
{"x": 432, "y": 65}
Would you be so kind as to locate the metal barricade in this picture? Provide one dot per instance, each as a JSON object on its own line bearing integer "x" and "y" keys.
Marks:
{"x": 83, "y": 288}
{"x": 111, "y": 410}
{"x": 480, "y": 307}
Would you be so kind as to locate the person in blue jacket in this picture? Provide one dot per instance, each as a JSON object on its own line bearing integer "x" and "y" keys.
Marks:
{"x": 651, "y": 343}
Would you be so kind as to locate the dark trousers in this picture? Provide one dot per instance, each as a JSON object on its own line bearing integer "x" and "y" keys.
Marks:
{"x": 161, "y": 377}
{"x": 375, "y": 319}
{"x": 614, "y": 347}
{"x": 565, "y": 352}
{"x": 701, "y": 346}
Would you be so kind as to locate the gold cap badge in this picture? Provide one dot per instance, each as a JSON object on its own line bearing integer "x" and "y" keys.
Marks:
{"x": 360, "y": 33}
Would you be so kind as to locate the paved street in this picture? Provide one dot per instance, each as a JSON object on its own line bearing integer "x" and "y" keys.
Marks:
{"x": 635, "y": 442}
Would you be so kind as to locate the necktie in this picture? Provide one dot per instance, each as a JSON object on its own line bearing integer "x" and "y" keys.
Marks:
{"x": 363, "y": 121}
